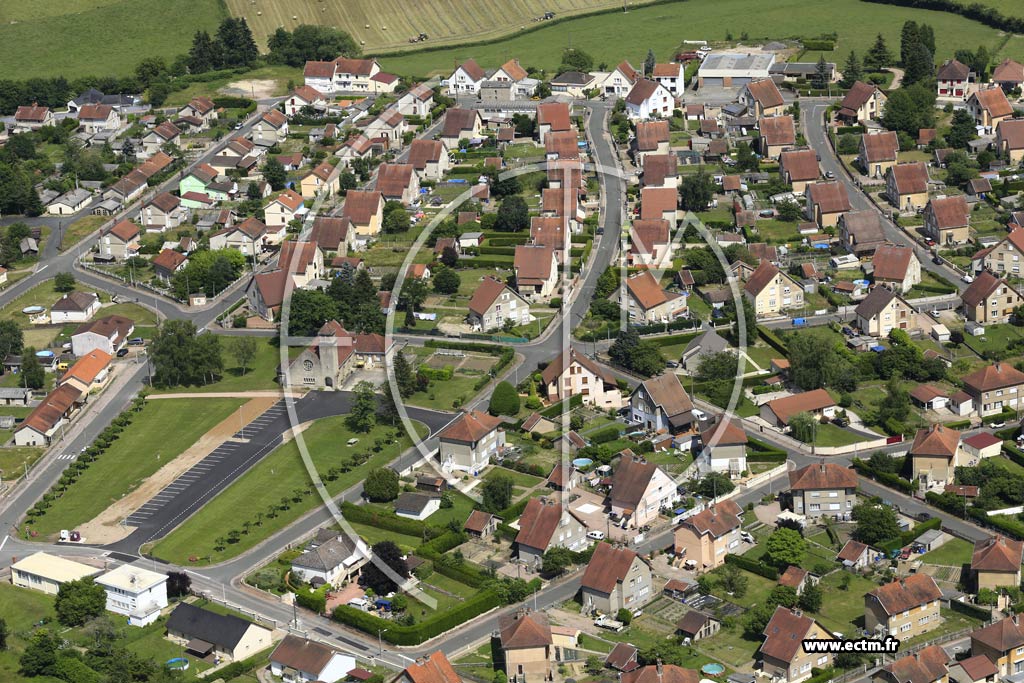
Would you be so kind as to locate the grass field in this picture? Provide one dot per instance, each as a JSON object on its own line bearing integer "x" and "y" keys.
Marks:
{"x": 952, "y": 553}
{"x": 21, "y": 609}
{"x": 80, "y": 229}
{"x": 274, "y": 478}
{"x": 261, "y": 374}
{"x": 60, "y": 38}
{"x": 161, "y": 432}
{"x": 857, "y": 23}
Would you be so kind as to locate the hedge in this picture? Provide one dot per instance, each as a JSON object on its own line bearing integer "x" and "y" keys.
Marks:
{"x": 742, "y": 562}
{"x": 315, "y": 602}
{"x": 819, "y": 44}
{"x": 509, "y": 241}
{"x": 682, "y": 324}
{"x": 973, "y": 611}
{"x": 391, "y": 522}
{"x": 959, "y": 424}
{"x": 496, "y": 250}
{"x": 673, "y": 339}
{"x": 605, "y": 435}
{"x": 575, "y": 401}
{"x": 910, "y": 535}
{"x": 976, "y": 11}
{"x": 477, "y": 262}
{"x": 887, "y": 478}
{"x": 1013, "y": 453}
{"x": 765, "y": 456}
{"x": 425, "y": 630}
{"x": 771, "y": 339}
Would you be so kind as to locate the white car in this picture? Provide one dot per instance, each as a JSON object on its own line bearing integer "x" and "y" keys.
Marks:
{"x": 596, "y": 535}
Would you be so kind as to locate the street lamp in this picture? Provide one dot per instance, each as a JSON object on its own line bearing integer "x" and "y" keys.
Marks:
{"x": 380, "y": 642}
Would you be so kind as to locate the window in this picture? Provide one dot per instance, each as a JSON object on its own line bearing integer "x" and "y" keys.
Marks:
{"x": 905, "y": 628}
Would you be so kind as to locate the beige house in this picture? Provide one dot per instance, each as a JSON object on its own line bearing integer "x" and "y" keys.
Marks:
{"x": 1005, "y": 257}
{"x": 34, "y": 117}
{"x": 996, "y": 562}
{"x": 994, "y": 388}
{"x": 545, "y": 524}
{"x": 536, "y": 269}
{"x": 282, "y": 210}
{"x": 365, "y": 212}
{"x": 304, "y": 260}
{"x": 934, "y": 455}
{"x": 826, "y": 202}
{"x": 762, "y": 98}
{"x": 878, "y": 153}
{"x": 429, "y": 158}
{"x": 989, "y": 300}
{"x": 615, "y": 578}
{"x": 861, "y": 232}
{"x": 494, "y": 303}
{"x": 1002, "y": 643}
{"x": 896, "y": 267}
{"x": 781, "y": 655}
{"x": 947, "y": 220}
{"x": 1010, "y": 139}
{"x": 45, "y": 573}
{"x": 576, "y": 375}
{"x": 121, "y": 241}
{"x": 206, "y": 633}
{"x": 824, "y": 489}
{"x": 904, "y": 608}
{"x": 882, "y": 311}
{"x": 799, "y": 168}
{"x": 862, "y": 103}
{"x": 321, "y": 179}
{"x": 640, "y": 490}
{"x": 778, "y": 133}
{"x": 989, "y": 107}
{"x": 703, "y": 540}
{"x": 652, "y": 137}
{"x": 526, "y": 646}
{"x": 770, "y": 291}
{"x": 469, "y": 441}
{"x": 779, "y": 411}
{"x": 646, "y": 301}
{"x": 906, "y": 186}
{"x": 460, "y": 124}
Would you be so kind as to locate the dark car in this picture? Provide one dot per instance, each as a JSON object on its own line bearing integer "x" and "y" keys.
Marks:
{"x": 121, "y": 353}
{"x": 937, "y": 260}
{"x": 671, "y": 364}
{"x": 600, "y": 231}
{"x": 923, "y": 516}
{"x": 136, "y": 341}
{"x": 839, "y": 422}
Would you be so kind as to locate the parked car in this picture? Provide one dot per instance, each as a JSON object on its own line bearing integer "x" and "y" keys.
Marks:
{"x": 937, "y": 260}
{"x": 997, "y": 425}
{"x": 121, "y": 353}
{"x": 596, "y": 535}
{"x": 840, "y": 422}
{"x": 671, "y": 364}
{"x": 830, "y": 175}
{"x": 136, "y": 341}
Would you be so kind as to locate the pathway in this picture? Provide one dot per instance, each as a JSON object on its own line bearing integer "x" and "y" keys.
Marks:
{"x": 275, "y": 394}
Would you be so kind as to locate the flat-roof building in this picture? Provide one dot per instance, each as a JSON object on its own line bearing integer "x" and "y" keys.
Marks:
{"x": 733, "y": 69}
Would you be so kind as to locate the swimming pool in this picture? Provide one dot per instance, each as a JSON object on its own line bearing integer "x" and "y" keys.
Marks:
{"x": 582, "y": 463}
{"x": 712, "y": 669}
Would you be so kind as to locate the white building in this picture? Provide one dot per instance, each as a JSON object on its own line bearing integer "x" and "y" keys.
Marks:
{"x": 297, "y": 660}
{"x": 46, "y": 573}
{"x": 137, "y": 593}
{"x": 732, "y": 70}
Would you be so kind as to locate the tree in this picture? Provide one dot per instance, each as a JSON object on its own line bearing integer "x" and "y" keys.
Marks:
{"x": 79, "y": 601}
{"x": 310, "y": 309}
{"x": 788, "y": 210}
{"x": 32, "y": 374}
{"x": 815, "y": 361}
{"x": 624, "y": 615}
{"x": 238, "y": 48}
{"x": 576, "y": 60}
{"x": 880, "y": 461}
{"x": 622, "y": 348}
{"x": 851, "y": 70}
{"x": 405, "y": 378}
{"x": 446, "y": 281}
{"x": 746, "y": 159}
{"x": 878, "y": 57}
{"x": 875, "y": 523}
{"x": 811, "y": 598}
{"x": 696, "y": 191}
{"x": 756, "y": 619}
{"x": 714, "y": 484}
{"x": 920, "y": 65}
{"x": 497, "y": 493}
{"x": 910, "y": 35}
{"x": 374, "y": 577}
{"x": 396, "y": 218}
{"x": 205, "y": 53}
{"x": 11, "y": 338}
{"x": 274, "y": 173}
{"x": 64, "y": 282}
{"x": 381, "y": 485}
{"x": 784, "y": 596}
{"x": 149, "y": 70}
{"x": 364, "y": 408}
{"x": 556, "y": 560}
{"x": 820, "y": 79}
{"x": 734, "y": 581}
{"x": 178, "y": 584}
{"x": 803, "y": 427}
{"x": 649, "y": 63}
{"x": 4, "y": 632}
{"x": 785, "y": 547}
{"x": 449, "y": 257}
{"x": 504, "y": 400}
{"x": 513, "y": 215}
{"x": 244, "y": 350}
{"x": 962, "y": 129}
{"x": 894, "y": 407}
{"x": 40, "y": 655}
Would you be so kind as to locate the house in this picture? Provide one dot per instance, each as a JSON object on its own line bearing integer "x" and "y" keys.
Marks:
{"x": 199, "y": 179}
{"x": 649, "y": 99}
{"x": 304, "y": 96}
{"x": 904, "y": 608}
{"x": 469, "y": 441}
{"x": 660, "y": 673}
{"x": 952, "y": 79}
{"x": 928, "y": 665}
{"x": 878, "y": 153}
{"x": 796, "y": 578}
{"x": 95, "y": 118}
{"x": 544, "y": 524}
{"x": 330, "y": 557}
{"x": 398, "y": 182}
{"x": 660, "y": 404}
{"x": 265, "y": 293}
{"x": 74, "y": 307}
{"x": 575, "y": 84}
{"x": 162, "y": 213}
{"x": 331, "y": 233}
{"x": 70, "y": 202}
{"x": 576, "y": 375}
{"x": 978, "y": 188}
{"x": 976, "y": 669}
{"x": 29, "y": 118}
{"x": 623, "y": 657}
{"x": 906, "y": 186}
{"x": 826, "y": 202}
{"x": 201, "y": 108}
{"x": 946, "y": 220}
{"x": 670, "y": 76}
{"x": 640, "y": 490}
{"x": 928, "y": 397}
{"x": 333, "y": 355}
{"x": 365, "y": 212}
{"x": 855, "y": 555}
{"x": 703, "y": 539}
{"x": 695, "y": 626}
{"x": 121, "y": 241}
{"x": 817, "y": 402}
{"x": 433, "y": 669}
{"x": 1001, "y": 643}
{"x": 723, "y": 448}
{"x": 996, "y": 562}
{"x": 297, "y": 660}
{"x": 619, "y": 81}
{"x": 646, "y": 301}
{"x": 388, "y": 127}
{"x": 416, "y": 101}
{"x": 982, "y": 445}
{"x": 249, "y": 237}
{"x": 762, "y": 98}
{"x": 553, "y": 117}
{"x": 109, "y": 334}
{"x": 47, "y": 418}
{"x": 356, "y": 147}
{"x": 615, "y": 578}
{"x": 778, "y": 133}
{"x": 304, "y": 260}
{"x": 167, "y": 263}
{"x": 481, "y": 524}
{"x": 884, "y": 310}
{"x": 207, "y": 633}
{"x": 771, "y": 291}
{"x": 525, "y": 645}
{"x": 160, "y": 136}
{"x": 799, "y": 168}
{"x": 1010, "y": 139}
{"x": 466, "y": 79}
{"x": 536, "y": 271}
{"x": 460, "y": 124}
{"x": 990, "y": 300}
{"x": 989, "y": 106}
{"x": 321, "y": 178}
{"x": 429, "y": 158}
{"x": 270, "y": 129}
{"x": 861, "y": 231}
{"x": 557, "y": 479}
{"x": 896, "y": 267}
{"x": 732, "y": 69}
{"x": 134, "y": 592}
{"x": 282, "y": 210}
{"x": 652, "y": 137}
{"x": 994, "y": 388}
{"x": 661, "y": 170}
{"x": 494, "y": 303}
{"x": 823, "y": 490}
{"x": 46, "y": 573}
{"x": 862, "y": 103}
{"x": 416, "y": 505}
{"x": 127, "y": 188}
{"x": 709, "y": 342}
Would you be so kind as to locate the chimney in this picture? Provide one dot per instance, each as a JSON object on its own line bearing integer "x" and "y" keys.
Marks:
{"x": 660, "y": 668}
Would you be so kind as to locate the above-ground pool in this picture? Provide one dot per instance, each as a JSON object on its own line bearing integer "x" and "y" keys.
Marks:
{"x": 582, "y": 463}
{"x": 44, "y": 354}
{"x": 712, "y": 669}
{"x": 30, "y": 310}
{"x": 177, "y": 664}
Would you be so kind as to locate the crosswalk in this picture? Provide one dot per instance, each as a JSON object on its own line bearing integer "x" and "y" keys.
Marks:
{"x": 67, "y": 456}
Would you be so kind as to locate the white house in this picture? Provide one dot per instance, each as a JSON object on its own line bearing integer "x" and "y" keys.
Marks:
{"x": 640, "y": 490}
{"x": 648, "y": 99}
{"x": 46, "y": 573}
{"x": 466, "y": 79}
{"x": 469, "y": 441}
{"x": 74, "y": 307}
{"x": 297, "y": 660}
{"x": 136, "y": 593}
{"x": 331, "y": 557}
{"x": 416, "y": 505}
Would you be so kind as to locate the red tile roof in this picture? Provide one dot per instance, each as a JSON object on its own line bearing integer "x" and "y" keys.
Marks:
{"x": 766, "y": 93}
{"x": 361, "y": 205}
{"x": 880, "y": 146}
{"x": 910, "y": 178}
{"x": 785, "y": 633}
{"x": 800, "y": 164}
{"x": 656, "y": 201}
{"x": 125, "y": 231}
{"x": 650, "y": 133}
{"x": 533, "y": 264}
{"x": 717, "y": 520}
{"x": 892, "y": 262}
{"x": 608, "y": 567}
{"x": 830, "y": 197}
{"x": 330, "y": 232}
{"x": 949, "y": 212}
{"x": 995, "y": 376}
{"x": 469, "y": 427}
{"x": 993, "y": 100}
{"x": 907, "y": 593}
{"x": 997, "y": 554}
{"x": 422, "y": 152}
{"x": 539, "y": 521}
{"x": 554, "y": 114}
{"x": 87, "y": 368}
{"x": 822, "y": 476}
{"x": 778, "y": 130}
{"x": 168, "y": 260}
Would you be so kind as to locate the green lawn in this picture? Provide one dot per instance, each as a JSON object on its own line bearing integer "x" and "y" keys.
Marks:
{"x": 21, "y": 609}
{"x": 261, "y": 374}
{"x": 42, "y": 294}
{"x": 80, "y": 229}
{"x": 162, "y": 431}
{"x": 953, "y": 553}
{"x": 447, "y": 394}
{"x": 730, "y": 647}
{"x": 843, "y": 610}
{"x": 141, "y": 315}
{"x": 518, "y": 478}
{"x": 14, "y": 459}
{"x": 275, "y": 481}
{"x": 830, "y": 435}
{"x": 996, "y": 338}
{"x": 372, "y": 534}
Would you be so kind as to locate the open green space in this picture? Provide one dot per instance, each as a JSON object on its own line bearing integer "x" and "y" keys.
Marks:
{"x": 15, "y": 459}
{"x": 953, "y": 553}
{"x": 996, "y": 339}
{"x": 843, "y": 610}
{"x": 21, "y": 609}
{"x": 261, "y": 373}
{"x": 372, "y": 535}
{"x": 42, "y": 294}
{"x": 161, "y": 432}
{"x": 282, "y": 485}
{"x": 518, "y": 478}
{"x": 141, "y": 315}
{"x": 80, "y": 229}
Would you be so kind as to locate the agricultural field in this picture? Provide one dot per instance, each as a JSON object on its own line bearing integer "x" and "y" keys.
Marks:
{"x": 31, "y": 31}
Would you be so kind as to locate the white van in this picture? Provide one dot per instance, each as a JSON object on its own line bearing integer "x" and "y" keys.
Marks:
{"x": 361, "y": 603}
